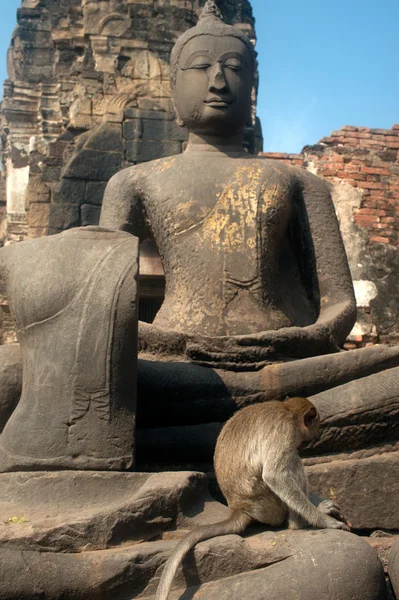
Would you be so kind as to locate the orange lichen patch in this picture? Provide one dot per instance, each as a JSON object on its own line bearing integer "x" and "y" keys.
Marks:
{"x": 163, "y": 164}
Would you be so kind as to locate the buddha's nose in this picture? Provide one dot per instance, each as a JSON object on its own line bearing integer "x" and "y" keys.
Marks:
{"x": 217, "y": 79}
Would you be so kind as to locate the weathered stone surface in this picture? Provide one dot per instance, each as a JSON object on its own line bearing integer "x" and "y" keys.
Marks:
{"x": 138, "y": 113}
{"x": 164, "y": 130}
{"x": 63, "y": 216}
{"x": 10, "y": 380}
{"x": 93, "y": 165}
{"x": 304, "y": 565}
{"x": 393, "y": 567}
{"x": 307, "y": 566}
{"x": 143, "y": 151}
{"x": 79, "y": 376}
{"x": 108, "y": 138}
{"x": 90, "y": 214}
{"x": 95, "y": 192}
{"x": 133, "y": 129}
{"x": 76, "y": 511}
{"x": 70, "y": 191}
{"x": 366, "y": 490}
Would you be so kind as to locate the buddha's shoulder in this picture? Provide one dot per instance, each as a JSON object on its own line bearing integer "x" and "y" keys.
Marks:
{"x": 287, "y": 171}
{"x": 141, "y": 170}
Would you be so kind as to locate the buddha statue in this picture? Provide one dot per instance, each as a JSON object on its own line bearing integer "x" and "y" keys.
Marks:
{"x": 258, "y": 303}
{"x": 259, "y": 298}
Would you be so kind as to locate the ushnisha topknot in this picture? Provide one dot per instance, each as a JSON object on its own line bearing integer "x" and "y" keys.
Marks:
{"x": 210, "y": 23}
{"x": 211, "y": 11}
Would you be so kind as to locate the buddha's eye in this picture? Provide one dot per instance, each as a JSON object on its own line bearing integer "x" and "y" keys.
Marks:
{"x": 201, "y": 66}
{"x": 199, "y": 62}
{"x": 233, "y": 65}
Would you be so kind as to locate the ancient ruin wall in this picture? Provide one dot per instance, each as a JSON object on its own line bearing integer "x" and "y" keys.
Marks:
{"x": 87, "y": 94}
{"x": 363, "y": 167}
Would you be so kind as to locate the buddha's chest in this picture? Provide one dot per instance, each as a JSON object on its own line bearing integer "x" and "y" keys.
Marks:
{"x": 229, "y": 209}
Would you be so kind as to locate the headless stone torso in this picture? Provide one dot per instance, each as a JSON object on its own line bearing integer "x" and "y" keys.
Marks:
{"x": 73, "y": 296}
{"x": 231, "y": 246}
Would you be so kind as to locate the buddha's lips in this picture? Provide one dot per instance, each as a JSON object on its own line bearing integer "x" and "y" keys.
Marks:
{"x": 219, "y": 102}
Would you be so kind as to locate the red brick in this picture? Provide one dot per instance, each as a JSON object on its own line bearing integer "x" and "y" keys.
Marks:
{"x": 351, "y": 175}
{"x": 348, "y": 128}
{"x": 379, "y": 240}
{"x": 367, "y": 220}
{"x": 375, "y": 170}
{"x": 371, "y": 185}
{"x": 388, "y": 219}
{"x": 380, "y": 131}
{"x": 370, "y": 211}
{"x": 327, "y": 173}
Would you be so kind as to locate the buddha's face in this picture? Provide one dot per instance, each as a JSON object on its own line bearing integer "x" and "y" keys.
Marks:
{"x": 214, "y": 85}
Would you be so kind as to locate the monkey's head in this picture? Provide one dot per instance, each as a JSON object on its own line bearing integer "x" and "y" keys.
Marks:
{"x": 306, "y": 418}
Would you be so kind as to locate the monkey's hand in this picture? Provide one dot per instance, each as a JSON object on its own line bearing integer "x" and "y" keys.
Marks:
{"x": 332, "y": 523}
{"x": 327, "y": 507}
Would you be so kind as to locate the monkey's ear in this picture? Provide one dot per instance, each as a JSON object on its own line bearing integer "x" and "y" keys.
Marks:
{"x": 310, "y": 417}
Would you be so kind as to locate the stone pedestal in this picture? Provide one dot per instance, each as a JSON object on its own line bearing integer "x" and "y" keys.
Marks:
{"x": 79, "y": 535}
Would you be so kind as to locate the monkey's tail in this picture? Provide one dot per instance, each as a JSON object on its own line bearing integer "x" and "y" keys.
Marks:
{"x": 235, "y": 524}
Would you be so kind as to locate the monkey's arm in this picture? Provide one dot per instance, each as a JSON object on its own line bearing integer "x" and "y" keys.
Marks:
{"x": 328, "y": 507}
{"x": 281, "y": 474}
{"x": 121, "y": 208}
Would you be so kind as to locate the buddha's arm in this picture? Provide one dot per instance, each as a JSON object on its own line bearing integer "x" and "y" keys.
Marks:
{"x": 121, "y": 207}
{"x": 337, "y": 301}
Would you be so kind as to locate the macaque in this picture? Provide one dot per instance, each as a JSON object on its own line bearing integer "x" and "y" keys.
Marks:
{"x": 262, "y": 477}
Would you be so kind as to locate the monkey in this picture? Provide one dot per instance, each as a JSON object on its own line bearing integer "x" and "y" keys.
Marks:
{"x": 262, "y": 477}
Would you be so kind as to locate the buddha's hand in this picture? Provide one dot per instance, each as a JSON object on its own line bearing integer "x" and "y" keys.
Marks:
{"x": 258, "y": 349}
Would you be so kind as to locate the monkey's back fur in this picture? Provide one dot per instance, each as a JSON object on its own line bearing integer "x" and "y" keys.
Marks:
{"x": 241, "y": 460}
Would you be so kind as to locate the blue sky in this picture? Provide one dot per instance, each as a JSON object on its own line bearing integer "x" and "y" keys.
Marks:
{"x": 322, "y": 65}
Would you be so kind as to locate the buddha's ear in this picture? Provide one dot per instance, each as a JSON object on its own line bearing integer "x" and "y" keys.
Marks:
{"x": 179, "y": 120}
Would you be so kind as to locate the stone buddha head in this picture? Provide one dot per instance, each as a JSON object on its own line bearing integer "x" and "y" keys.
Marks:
{"x": 212, "y": 73}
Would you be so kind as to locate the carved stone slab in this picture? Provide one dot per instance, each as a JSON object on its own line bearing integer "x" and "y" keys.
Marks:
{"x": 74, "y": 299}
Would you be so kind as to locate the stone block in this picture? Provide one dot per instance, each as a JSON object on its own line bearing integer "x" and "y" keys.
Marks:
{"x": 37, "y": 192}
{"x": 70, "y": 191}
{"x": 90, "y": 215}
{"x": 93, "y": 165}
{"x": 51, "y": 173}
{"x": 142, "y": 151}
{"x": 164, "y": 130}
{"x": 38, "y": 214}
{"x": 365, "y": 489}
{"x": 107, "y": 137}
{"x": 95, "y": 192}
{"x": 63, "y": 216}
{"x": 138, "y": 113}
{"x": 133, "y": 129}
